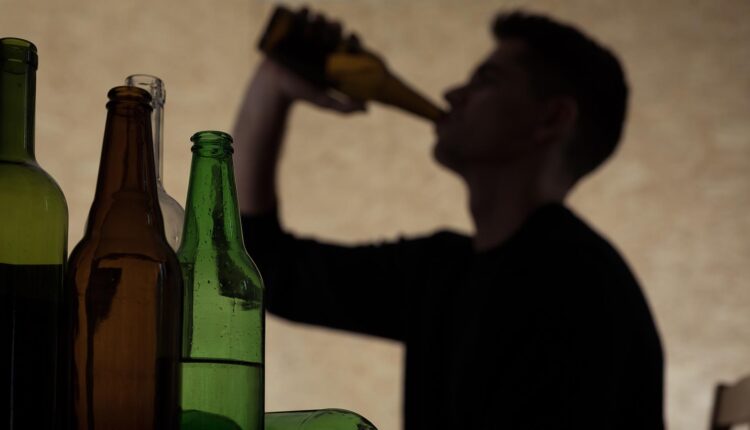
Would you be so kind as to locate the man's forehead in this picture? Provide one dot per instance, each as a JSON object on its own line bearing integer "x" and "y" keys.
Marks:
{"x": 508, "y": 50}
{"x": 506, "y": 55}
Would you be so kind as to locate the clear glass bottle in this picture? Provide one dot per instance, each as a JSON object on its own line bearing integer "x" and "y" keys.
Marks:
{"x": 171, "y": 211}
{"x": 321, "y": 54}
{"x": 33, "y": 249}
{"x": 222, "y": 357}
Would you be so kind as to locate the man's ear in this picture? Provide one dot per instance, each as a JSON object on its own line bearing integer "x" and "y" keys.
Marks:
{"x": 557, "y": 120}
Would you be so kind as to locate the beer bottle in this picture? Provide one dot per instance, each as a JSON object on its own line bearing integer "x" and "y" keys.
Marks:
{"x": 124, "y": 287}
{"x": 222, "y": 363}
{"x": 171, "y": 211}
{"x": 318, "y": 52}
{"x": 322, "y": 419}
{"x": 33, "y": 248}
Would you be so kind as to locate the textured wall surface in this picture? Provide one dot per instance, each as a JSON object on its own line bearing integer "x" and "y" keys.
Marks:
{"x": 674, "y": 199}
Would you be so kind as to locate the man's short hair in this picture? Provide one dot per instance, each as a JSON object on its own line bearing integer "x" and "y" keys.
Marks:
{"x": 563, "y": 61}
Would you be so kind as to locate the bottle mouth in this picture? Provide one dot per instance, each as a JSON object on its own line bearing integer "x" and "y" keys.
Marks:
{"x": 19, "y": 51}
{"x": 153, "y": 84}
{"x": 212, "y": 142}
{"x": 125, "y": 94}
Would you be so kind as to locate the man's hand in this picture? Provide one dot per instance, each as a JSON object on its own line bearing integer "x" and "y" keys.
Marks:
{"x": 287, "y": 85}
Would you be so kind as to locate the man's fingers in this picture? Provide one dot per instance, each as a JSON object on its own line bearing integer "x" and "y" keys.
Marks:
{"x": 339, "y": 104}
{"x": 294, "y": 87}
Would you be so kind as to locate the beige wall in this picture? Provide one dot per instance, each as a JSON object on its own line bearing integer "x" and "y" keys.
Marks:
{"x": 674, "y": 199}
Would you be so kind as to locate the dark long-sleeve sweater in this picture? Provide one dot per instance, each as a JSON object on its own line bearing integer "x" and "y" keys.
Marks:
{"x": 547, "y": 330}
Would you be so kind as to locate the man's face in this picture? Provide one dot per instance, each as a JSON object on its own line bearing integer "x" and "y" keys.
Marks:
{"x": 492, "y": 117}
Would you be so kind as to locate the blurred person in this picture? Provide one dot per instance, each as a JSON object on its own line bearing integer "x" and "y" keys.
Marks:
{"x": 535, "y": 320}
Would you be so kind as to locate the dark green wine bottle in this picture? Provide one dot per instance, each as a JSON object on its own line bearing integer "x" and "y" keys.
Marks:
{"x": 222, "y": 364}
{"x": 33, "y": 248}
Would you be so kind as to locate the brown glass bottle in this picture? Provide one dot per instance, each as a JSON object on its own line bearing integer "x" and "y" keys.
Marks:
{"x": 319, "y": 52}
{"x": 124, "y": 288}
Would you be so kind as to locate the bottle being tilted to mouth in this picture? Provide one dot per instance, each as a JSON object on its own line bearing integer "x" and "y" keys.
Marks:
{"x": 318, "y": 51}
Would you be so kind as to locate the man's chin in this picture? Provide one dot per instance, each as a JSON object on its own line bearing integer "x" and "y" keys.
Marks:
{"x": 444, "y": 157}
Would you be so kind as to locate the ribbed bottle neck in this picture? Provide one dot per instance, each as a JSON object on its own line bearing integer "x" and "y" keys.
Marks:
{"x": 212, "y": 217}
{"x": 17, "y": 100}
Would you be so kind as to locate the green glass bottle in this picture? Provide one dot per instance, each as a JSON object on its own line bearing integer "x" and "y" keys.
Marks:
{"x": 322, "y": 419}
{"x": 223, "y": 330}
{"x": 33, "y": 248}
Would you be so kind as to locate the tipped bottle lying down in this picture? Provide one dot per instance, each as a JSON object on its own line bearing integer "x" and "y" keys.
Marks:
{"x": 322, "y": 419}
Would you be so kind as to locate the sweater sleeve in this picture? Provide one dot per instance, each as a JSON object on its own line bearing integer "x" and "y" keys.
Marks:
{"x": 365, "y": 289}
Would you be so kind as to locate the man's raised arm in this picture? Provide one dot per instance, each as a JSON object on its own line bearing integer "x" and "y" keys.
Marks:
{"x": 259, "y": 131}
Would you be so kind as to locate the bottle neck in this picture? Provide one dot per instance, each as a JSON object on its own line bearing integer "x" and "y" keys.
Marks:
{"x": 157, "y": 124}
{"x": 156, "y": 89}
{"x": 365, "y": 76}
{"x": 127, "y": 178}
{"x": 212, "y": 217}
{"x": 17, "y": 98}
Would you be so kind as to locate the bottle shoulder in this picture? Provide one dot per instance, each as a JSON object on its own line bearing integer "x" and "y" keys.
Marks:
{"x": 169, "y": 203}
{"x": 94, "y": 250}
{"x": 28, "y": 180}
{"x": 173, "y": 215}
{"x": 34, "y": 216}
{"x": 234, "y": 262}
{"x": 151, "y": 247}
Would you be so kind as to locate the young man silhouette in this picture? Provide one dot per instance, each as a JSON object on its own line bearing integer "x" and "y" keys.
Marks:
{"x": 534, "y": 321}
